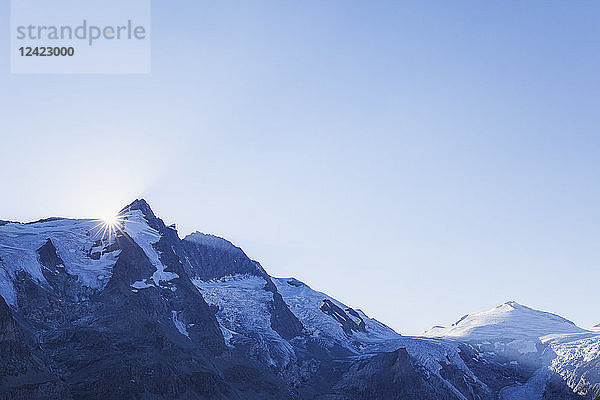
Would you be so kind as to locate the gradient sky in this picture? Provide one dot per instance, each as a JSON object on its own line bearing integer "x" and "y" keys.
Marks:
{"x": 417, "y": 160}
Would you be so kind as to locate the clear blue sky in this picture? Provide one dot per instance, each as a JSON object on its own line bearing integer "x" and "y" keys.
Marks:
{"x": 418, "y": 160}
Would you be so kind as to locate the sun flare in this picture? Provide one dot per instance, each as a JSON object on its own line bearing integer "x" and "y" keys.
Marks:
{"x": 109, "y": 226}
{"x": 111, "y": 220}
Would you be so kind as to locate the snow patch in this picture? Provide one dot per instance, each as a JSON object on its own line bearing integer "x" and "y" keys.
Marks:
{"x": 227, "y": 335}
{"x": 141, "y": 285}
{"x": 179, "y": 325}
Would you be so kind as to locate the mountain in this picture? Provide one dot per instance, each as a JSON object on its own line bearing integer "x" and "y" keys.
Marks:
{"x": 557, "y": 358}
{"x": 513, "y": 324}
{"x": 92, "y": 311}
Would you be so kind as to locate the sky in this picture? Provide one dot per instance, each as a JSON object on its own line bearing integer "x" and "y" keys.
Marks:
{"x": 416, "y": 160}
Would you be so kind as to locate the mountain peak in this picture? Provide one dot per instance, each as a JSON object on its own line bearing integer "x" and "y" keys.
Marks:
{"x": 139, "y": 204}
{"x": 513, "y": 304}
{"x": 508, "y": 320}
{"x": 143, "y": 206}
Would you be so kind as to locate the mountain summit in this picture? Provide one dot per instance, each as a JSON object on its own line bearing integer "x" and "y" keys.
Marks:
{"x": 510, "y": 320}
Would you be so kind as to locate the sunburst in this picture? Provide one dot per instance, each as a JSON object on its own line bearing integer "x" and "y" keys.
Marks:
{"x": 109, "y": 226}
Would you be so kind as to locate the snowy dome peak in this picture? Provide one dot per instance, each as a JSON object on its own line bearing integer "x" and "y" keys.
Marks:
{"x": 510, "y": 320}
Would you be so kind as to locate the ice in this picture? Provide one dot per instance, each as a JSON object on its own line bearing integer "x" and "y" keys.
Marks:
{"x": 243, "y": 309}
{"x": 241, "y": 300}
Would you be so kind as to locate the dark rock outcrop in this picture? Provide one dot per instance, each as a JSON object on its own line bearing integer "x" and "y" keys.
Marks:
{"x": 347, "y": 324}
{"x": 48, "y": 256}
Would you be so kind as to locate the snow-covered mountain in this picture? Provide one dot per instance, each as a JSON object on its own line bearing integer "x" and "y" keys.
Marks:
{"x": 137, "y": 312}
{"x": 511, "y": 326}
{"x": 510, "y": 320}
{"x": 547, "y": 348}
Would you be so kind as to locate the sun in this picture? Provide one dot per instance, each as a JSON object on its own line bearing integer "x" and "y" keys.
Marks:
{"x": 109, "y": 226}
{"x": 111, "y": 220}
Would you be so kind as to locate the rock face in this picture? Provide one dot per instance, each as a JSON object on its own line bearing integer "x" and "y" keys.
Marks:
{"x": 133, "y": 311}
{"x": 394, "y": 376}
{"x": 22, "y": 374}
